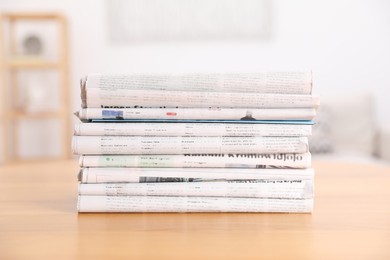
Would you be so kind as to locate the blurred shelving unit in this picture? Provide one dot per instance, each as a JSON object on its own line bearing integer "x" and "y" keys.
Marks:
{"x": 11, "y": 64}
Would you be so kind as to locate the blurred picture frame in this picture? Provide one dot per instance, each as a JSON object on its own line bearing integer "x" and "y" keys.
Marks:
{"x": 172, "y": 20}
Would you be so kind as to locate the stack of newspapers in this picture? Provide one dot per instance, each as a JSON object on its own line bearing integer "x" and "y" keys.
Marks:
{"x": 222, "y": 142}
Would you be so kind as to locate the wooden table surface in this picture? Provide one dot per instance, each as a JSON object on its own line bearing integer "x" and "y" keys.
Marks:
{"x": 39, "y": 220}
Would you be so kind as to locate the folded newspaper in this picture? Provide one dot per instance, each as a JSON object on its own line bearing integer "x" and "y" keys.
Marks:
{"x": 282, "y": 189}
{"x": 141, "y": 175}
{"x": 96, "y": 203}
{"x": 288, "y": 82}
{"x": 224, "y": 91}
{"x": 187, "y": 145}
{"x": 191, "y": 129}
{"x": 238, "y": 115}
{"x": 280, "y": 160}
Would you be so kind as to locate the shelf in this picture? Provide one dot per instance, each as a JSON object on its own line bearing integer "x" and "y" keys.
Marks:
{"x": 32, "y": 16}
{"x": 12, "y": 62}
{"x": 30, "y": 63}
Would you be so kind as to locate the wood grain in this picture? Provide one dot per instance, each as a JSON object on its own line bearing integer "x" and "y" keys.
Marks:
{"x": 38, "y": 220}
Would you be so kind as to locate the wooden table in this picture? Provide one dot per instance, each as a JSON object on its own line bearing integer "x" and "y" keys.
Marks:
{"x": 38, "y": 220}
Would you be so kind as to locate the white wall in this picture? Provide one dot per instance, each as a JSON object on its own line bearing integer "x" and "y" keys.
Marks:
{"x": 345, "y": 43}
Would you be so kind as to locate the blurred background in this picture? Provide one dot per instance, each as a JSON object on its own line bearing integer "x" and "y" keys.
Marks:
{"x": 47, "y": 46}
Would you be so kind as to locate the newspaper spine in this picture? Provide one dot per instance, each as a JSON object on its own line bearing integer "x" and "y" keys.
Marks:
{"x": 191, "y": 129}
{"x": 190, "y": 204}
{"x": 196, "y": 113}
{"x": 94, "y": 145}
{"x": 108, "y": 98}
{"x": 199, "y": 161}
{"x": 289, "y": 82}
{"x": 139, "y": 175}
{"x": 288, "y": 189}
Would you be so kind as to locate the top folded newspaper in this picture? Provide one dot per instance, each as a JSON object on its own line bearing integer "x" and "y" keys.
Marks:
{"x": 223, "y": 142}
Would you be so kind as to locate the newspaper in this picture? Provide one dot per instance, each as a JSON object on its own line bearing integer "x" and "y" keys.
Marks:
{"x": 190, "y": 204}
{"x": 197, "y": 113}
{"x": 199, "y": 161}
{"x": 191, "y": 129}
{"x": 187, "y": 145}
{"x": 282, "y": 189}
{"x": 122, "y": 98}
{"x": 142, "y": 175}
{"x": 288, "y": 82}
